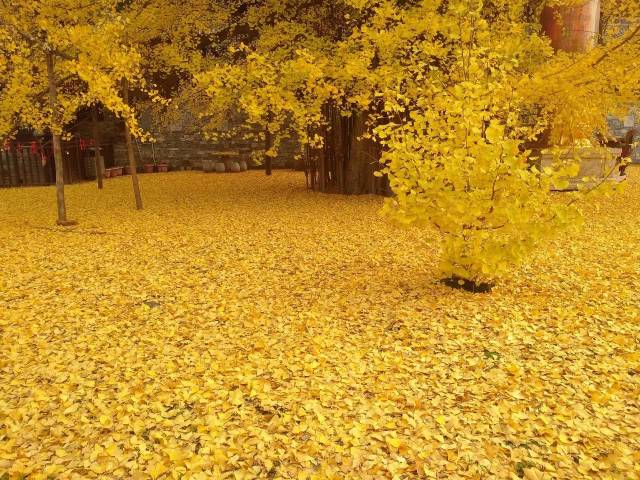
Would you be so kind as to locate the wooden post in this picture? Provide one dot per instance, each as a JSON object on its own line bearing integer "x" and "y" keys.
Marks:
{"x": 23, "y": 161}
{"x": 130, "y": 153}
{"x": 79, "y": 170}
{"x": 41, "y": 171}
{"x": 99, "y": 161}
{"x": 57, "y": 146}
{"x": 29, "y": 166}
{"x": 15, "y": 177}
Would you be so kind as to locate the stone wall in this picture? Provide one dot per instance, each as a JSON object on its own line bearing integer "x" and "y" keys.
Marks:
{"x": 180, "y": 144}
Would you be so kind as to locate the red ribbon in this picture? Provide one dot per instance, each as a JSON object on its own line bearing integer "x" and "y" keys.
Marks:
{"x": 84, "y": 144}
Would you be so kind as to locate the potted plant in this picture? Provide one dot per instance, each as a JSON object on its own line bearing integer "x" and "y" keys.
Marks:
{"x": 220, "y": 167}
{"x": 163, "y": 167}
{"x": 128, "y": 169}
{"x": 148, "y": 168}
{"x": 106, "y": 173}
{"x": 116, "y": 171}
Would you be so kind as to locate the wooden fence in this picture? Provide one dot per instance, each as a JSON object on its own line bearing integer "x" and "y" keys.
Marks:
{"x": 31, "y": 163}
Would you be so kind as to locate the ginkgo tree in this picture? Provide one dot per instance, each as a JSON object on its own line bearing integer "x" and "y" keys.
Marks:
{"x": 453, "y": 124}
{"x": 464, "y": 97}
{"x": 59, "y": 56}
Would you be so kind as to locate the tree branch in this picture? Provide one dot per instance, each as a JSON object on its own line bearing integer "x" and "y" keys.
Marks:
{"x": 617, "y": 47}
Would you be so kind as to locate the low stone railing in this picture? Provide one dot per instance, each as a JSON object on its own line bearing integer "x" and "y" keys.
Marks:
{"x": 596, "y": 164}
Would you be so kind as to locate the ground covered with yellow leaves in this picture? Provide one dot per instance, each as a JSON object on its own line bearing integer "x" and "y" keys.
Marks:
{"x": 241, "y": 327}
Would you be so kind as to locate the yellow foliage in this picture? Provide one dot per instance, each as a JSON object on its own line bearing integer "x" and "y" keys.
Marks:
{"x": 91, "y": 54}
{"x": 456, "y": 92}
{"x": 243, "y": 328}
{"x": 462, "y": 98}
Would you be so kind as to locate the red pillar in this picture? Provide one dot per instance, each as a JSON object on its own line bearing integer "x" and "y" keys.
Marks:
{"x": 574, "y": 28}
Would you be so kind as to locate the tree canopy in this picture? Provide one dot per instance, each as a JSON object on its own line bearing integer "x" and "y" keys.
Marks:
{"x": 90, "y": 57}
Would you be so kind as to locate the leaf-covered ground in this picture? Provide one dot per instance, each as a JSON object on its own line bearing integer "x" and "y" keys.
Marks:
{"x": 241, "y": 327}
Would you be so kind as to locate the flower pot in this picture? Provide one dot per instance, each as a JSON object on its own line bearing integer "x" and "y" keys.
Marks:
{"x": 116, "y": 171}
{"x": 163, "y": 167}
{"x": 243, "y": 166}
{"x": 148, "y": 168}
{"x": 208, "y": 165}
{"x": 106, "y": 173}
{"x": 220, "y": 168}
{"x": 234, "y": 167}
{"x": 128, "y": 170}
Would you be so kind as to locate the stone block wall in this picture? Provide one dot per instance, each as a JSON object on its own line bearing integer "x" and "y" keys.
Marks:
{"x": 179, "y": 144}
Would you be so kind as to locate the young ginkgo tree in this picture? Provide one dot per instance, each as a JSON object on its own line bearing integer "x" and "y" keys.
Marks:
{"x": 462, "y": 98}
{"x": 57, "y": 56}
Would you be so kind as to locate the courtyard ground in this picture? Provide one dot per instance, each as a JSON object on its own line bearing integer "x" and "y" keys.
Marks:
{"x": 241, "y": 327}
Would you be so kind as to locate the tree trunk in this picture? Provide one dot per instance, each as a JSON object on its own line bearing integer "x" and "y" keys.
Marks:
{"x": 130, "y": 153}
{"x": 341, "y": 131}
{"x": 57, "y": 145}
{"x": 323, "y": 172}
{"x": 362, "y": 161}
{"x": 267, "y": 146}
{"x": 347, "y": 162}
{"x": 96, "y": 140}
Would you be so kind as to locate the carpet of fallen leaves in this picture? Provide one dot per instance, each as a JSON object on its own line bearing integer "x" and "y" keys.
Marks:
{"x": 240, "y": 327}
